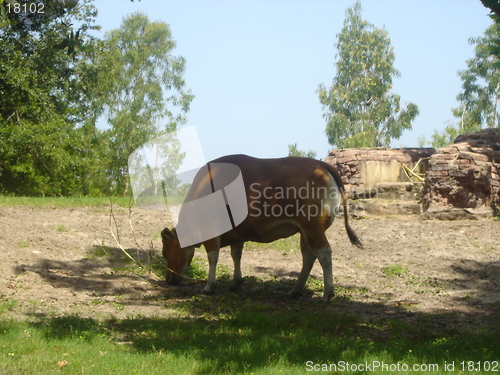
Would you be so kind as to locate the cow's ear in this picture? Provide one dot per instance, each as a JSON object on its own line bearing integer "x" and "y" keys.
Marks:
{"x": 167, "y": 234}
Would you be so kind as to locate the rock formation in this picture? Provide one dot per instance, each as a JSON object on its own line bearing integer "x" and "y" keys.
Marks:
{"x": 465, "y": 174}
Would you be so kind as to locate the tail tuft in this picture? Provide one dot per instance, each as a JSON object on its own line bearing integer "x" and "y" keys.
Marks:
{"x": 353, "y": 237}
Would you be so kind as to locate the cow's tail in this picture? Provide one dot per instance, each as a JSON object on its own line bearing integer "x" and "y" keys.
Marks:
{"x": 353, "y": 237}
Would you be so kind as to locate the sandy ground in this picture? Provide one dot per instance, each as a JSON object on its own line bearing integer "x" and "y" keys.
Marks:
{"x": 51, "y": 265}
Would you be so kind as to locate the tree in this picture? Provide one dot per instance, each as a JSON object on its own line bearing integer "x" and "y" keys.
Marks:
{"x": 40, "y": 145}
{"x": 479, "y": 105}
{"x": 494, "y": 6}
{"x": 359, "y": 108}
{"x": 294, "y": 151}
{"x": 141, "y": 84}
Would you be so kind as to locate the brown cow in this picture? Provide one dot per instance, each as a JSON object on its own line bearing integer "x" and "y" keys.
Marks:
{"x": 281, "y": 197}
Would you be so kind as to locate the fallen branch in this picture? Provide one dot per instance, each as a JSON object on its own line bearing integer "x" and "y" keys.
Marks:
{"x": 113, "y": 220}
{"x": 412, "y": 172}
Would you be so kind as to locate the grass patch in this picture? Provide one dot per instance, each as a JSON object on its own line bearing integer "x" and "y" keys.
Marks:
{"x": 255, "y": 331}
{"x": 395, "y": 270}
{"x": 69, "y": 202}
{"x": 22, "y": 244}
{"x": 64, "y": 202}
{"x": 235, "y": 336}
{"x": 287, "y": 245}
{"x": 197, "y": 269}
{"x": 98, "y": 251}
{"x": 144, "y": 261}
{"x": 7, "y": 305}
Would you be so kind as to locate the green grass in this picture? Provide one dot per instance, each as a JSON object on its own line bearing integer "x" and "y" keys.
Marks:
{"x": 287, "y": 245}
{"x": 395, "y": 270}
{"x": 22, "y": 243}
{"x": 255, "y": 331}
{"x": 64, "y": 202}
{"x": 69, "y": 202}
{"x": 234, "y": 337}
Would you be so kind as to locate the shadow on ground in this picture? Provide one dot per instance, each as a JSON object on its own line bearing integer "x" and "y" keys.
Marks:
{"x": 259, "y": 325}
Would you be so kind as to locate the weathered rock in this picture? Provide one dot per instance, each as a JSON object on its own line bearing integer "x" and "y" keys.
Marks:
{"x": 448, "y": 214}
{"x": 363, "y": 168}
{"x": 409, "y": 191}
{"x": 465, "y": 174}
{"x": 360, "y": 207}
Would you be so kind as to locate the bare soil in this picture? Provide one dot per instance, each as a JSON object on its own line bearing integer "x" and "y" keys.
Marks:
{"x": 63, "y": 261}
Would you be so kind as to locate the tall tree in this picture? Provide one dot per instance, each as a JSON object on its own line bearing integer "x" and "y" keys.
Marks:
{"x": 294, "y": 151}
{"x": 359, "y": 108}
{"x": 39, "y": 154}
{"x": 142, "y": 84}
{"x": 479, "y": 99}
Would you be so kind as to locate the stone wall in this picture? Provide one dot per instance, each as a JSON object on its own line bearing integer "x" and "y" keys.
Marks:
{"x": 361, "y": 169}
{"x": 465, "y": 174}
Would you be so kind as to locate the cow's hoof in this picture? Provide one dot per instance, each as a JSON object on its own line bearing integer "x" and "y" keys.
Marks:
{"x": 294, "y": 295}
{"x": 210, "y": 290}
{"x": 327, "y": 297}
{"x": 236, "y": 286}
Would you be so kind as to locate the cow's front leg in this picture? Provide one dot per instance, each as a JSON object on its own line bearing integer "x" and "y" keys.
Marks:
{"x": 236, "y": 251}
{"x": 212, "y": 247}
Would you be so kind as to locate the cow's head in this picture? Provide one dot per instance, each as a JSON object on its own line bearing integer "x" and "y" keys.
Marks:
{"x": 178, "y": 259}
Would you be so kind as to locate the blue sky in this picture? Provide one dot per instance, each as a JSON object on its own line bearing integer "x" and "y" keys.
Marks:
{"x": 254, "y": 66}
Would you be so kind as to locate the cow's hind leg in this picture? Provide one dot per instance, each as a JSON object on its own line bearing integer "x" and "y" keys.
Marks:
{"x": 318, "y": 243}
{"x": 308, "y": 259}
{"x": 236, "y": 251}
{"x": 212, "y": 247}
{"x": 323, "y": 251}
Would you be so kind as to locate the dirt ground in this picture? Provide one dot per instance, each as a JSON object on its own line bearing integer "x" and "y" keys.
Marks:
{"x": 51, "y": 264}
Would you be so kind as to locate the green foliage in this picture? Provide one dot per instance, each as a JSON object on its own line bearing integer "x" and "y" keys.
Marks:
{"x": 141, "y": 83}
{"x": 444, "y": 138}
{"x": 56, "y": 81}
{"x": 494, "y": 6}
{"x": 39, "y": 143}
{"x": 359, "y": 108}
{"x": 294, "y": 151}
{"x": 479, "y": 105}
{"x": 480, "y": 85}
{"x": 40, "y": 14}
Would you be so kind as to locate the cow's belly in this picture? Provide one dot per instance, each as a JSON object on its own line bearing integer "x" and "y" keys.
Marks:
{"x": 263, "y": 233}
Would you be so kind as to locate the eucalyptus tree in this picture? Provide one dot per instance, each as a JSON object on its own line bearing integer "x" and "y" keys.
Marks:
{"x": 479, "y": 99}
{"x": 141, "y": 85}
{"x": 294, "y": 151}
{"x": 360, "y": 109}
